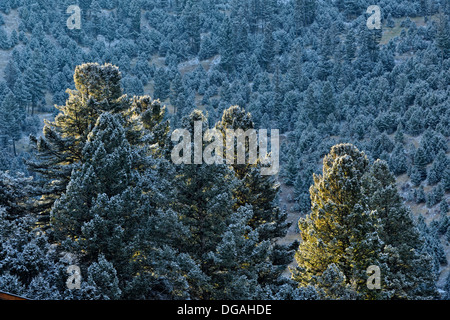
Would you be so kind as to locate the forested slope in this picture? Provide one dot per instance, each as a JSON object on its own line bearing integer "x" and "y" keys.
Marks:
{"x": 310, "y": 68}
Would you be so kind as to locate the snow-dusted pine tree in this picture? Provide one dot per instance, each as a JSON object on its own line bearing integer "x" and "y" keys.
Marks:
{"x": 359, "y": 220}
{"x": 109, "y": 213}
{"x": 409, "y": 273}
{"x": 341, "y": 230}
{"x": 97, "y": 90}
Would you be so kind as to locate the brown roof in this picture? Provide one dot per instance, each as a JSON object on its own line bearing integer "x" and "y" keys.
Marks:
{"x": 8, "y": 296}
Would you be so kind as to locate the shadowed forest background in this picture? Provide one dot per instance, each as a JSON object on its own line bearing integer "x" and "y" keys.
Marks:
{"x": 86, "y": 177}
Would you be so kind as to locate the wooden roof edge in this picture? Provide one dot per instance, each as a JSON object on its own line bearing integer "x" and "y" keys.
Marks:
{"x": 9, "y": 296}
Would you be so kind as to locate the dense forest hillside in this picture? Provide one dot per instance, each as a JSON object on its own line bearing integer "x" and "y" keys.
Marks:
{"x": 89, "y": 102}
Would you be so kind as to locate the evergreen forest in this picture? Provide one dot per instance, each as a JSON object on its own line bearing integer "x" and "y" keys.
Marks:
{"x": 92, "y": 92}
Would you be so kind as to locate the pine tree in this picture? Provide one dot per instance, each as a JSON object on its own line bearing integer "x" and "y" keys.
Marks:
{"x": 423, "y": 7}
{"x": 226, "y": 48}
{"x": 305, "y": 13}
{"x": 443, "y": 37}
{"x": 341, "y": 229}
{"x": 350, "y": 49}
{"x": 295, "y": 72}
{"x": 178, "y": 94}
{"x": 268, "y": 47}
{"x": 227, "y": 223}
{"x": 352, "y": 8}
{"x": 253, "y": 189}
{"x": 30, "y": 265}
{"x": 447, "y": 288}
{"x": 381, "y": 144}
{"x": 11, "y": 283}
{"x": 356, "y": 205}
{"x": 398, "y": 160}
{"x": 432, "y": 246}
{"x": 291, "y": 170}
{"x": 97, "y": 90}
{"x": 446, "y": 179}
{"x": 400, "y": 236}
{"x": 370, "y": 43}
{"x": 415, "y": 176}
{"x": 204, "y": 200}
{"x": 436, "y": 172}
{"x": 192, "y": 25}
{"x": 148, "y": 114}
{"x": 240, "y": 249}
{"x": 20, "y": 91}
{"x": 399, "y": 134}
{"x": 4, "y": 41}
{"x": 241, "y": 31}
{"x": 207, "y": 48}
{"x": 443, "y": 207}
{"x": 135, "y": 15}
{"x": 435, "y": 195}
{"x": 326, "y": 101}
{"x": 96, "y": 16}
{"x": 420, "y": 163}
{"x": 15, "y": 191}
{"x": 11, "y": 119}
{"x": 102, "y": 278}
{"x": 111, "y": 214}
{"x": 432, "y": 143}
{"x": 133, "y": 86}
{"x": 36, "y": 79}
{"x": 11, "y": 73}
{"x": 162, "y": 85}
{"x": 415, "y": 123}
{"x": 334, "y": 285}
{"x": 420, "y": 195}
{"x": 311, "y": 103}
